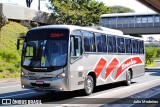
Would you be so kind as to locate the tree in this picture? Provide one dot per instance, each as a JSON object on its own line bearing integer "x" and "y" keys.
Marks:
{"x": 120, "y": 9}
{"x": 3, "y": 21}
{"x": 150, "y": 39}
{"x": 80, "y": 12}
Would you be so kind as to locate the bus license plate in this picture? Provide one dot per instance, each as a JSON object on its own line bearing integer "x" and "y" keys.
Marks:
{"x": 39, "y": 82}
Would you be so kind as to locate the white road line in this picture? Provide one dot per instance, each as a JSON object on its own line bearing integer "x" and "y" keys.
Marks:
{"x": 140, "y": 84}
{"x": 18, "y": 95}
{"x": 11, "y": 86}
{"x": 2, "y": 83}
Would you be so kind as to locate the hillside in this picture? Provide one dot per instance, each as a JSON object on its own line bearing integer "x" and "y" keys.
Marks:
{"x": 9, "y": 56}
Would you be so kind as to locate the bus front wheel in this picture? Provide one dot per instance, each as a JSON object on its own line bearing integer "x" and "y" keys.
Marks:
{"x": 88, "y": 85}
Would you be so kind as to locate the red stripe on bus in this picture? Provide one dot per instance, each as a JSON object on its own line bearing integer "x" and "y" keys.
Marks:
{"x": 127, "y": 64}
{"x": 99, "y": 67}
{"x": 111, "y": 66}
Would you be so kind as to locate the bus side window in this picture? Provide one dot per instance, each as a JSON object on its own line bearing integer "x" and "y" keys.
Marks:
{"x": 134, "y": 46}
{"x": 92, "y": 42}
{"x": 89, "y": 42}
{"x": 110, "y": 44}
{"x": 75, "y": 47}
{"x": 114, "y": 44}
{"x": 128, "y": 45}
{"x": 141, "y": 47}
{"x": 119, "y": 45}
{"x": 104, "y": 43}
{"x": 99, "y": 43}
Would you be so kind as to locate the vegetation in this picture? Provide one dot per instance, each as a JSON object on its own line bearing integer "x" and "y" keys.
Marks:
{"x": 77, "y": 12}
{"x": 120, "y": 9}
{"x": 82, "y": 12}
{"x": 152, "y": 53}
{"x": 9, "y": 56}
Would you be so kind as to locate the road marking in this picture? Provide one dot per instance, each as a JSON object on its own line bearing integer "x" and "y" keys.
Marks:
{"x": 10, "y": 86}
{"x": 124, "y": 88}
{"x": 18, "y": 95}
{"x": 8, "y": 83}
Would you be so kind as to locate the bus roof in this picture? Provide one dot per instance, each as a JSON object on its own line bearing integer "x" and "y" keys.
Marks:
{"x": 97, "y": 29}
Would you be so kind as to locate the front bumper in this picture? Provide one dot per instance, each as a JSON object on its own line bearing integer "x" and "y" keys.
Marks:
{"x": 48, "y": 85}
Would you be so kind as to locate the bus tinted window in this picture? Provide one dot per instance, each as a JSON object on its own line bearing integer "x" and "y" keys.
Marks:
{"x": 104, "y": 45}
{"x": 114, "y": 44}
{"x": 99, "y": 42}
{"x": 128, "y": 45}
{"x": 111, "y": 44}
{"x": 89, "y": 42}
{"x": 134, "y": 46}
{"x": 141, "y": 47}
{"x": 76, "y": 44}
{"x": 120, "y": 45}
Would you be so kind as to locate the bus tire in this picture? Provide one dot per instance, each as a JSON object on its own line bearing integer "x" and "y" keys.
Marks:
{"x": 128, "y": 78}
{"x": 88, "y": 85}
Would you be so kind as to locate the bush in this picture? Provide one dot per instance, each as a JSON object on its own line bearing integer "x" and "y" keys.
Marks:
{"x": 152, "y": 53}
{"x": 8, "y": 56}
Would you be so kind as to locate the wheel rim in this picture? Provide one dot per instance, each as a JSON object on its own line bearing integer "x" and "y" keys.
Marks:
{"x": 129, "y": 77}
{"x": 89, "y": 86}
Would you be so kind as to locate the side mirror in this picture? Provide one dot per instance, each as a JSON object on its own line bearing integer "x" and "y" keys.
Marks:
{"x": 18, "y": 41}
{"x": 76, "y": 43}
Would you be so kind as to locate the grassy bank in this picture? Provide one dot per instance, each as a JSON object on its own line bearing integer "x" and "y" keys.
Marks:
{"x": 9, "y": 56}
{"x": 151, "y": 65}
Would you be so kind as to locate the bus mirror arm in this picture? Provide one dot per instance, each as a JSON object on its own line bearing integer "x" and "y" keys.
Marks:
{"x": 18, "y": 41}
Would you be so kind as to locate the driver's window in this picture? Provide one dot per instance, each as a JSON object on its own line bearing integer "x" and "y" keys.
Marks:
{"x": 75, "y": 47}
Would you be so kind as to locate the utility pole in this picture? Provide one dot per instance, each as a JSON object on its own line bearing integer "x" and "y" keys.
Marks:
{"x": 39, "y": 4}
{"x": 28, "y": 3}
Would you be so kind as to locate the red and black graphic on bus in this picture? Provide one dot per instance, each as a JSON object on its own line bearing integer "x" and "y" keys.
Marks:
{"x": 114, "y": 63}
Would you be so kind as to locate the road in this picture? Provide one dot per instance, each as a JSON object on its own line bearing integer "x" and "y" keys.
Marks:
{"x": 103, "y": 94}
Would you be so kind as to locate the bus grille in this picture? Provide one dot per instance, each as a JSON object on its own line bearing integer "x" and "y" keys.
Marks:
{"x": 40, "y": 85}
{"x": 44, "y": 78}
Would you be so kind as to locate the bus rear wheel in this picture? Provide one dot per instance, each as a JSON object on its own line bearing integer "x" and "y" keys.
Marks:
{"x": 88, "y": 85}
{"x": 128, "y": 78}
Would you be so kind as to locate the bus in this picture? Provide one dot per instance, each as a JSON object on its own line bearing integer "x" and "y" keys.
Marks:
{"x": 68, "y": 58}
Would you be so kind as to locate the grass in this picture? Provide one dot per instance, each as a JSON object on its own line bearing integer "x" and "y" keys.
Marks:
{"x": 151, "y": 65}
{"x": 9, "y": 56}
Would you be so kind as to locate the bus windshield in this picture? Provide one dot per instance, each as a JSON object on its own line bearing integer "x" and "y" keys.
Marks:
{"x": 45, "y": 48}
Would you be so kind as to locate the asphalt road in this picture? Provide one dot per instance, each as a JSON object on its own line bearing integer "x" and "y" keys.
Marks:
{"x": 103, "y": 94}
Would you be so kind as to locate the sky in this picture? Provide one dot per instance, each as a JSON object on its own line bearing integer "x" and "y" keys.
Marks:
{"x": 133, "y": 4}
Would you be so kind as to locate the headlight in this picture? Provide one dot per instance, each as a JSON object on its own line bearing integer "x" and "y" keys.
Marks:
{"x": 61, "y": 75}
{"x": 23, "y": 74}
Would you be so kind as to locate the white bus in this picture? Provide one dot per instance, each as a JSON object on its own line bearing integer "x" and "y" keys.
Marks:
{"x": 67, "y": 58}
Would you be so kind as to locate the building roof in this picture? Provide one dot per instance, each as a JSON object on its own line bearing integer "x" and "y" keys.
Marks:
{"x": 127, "y": 14}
